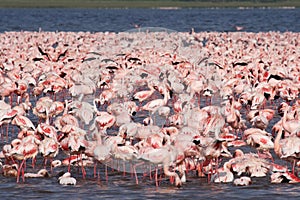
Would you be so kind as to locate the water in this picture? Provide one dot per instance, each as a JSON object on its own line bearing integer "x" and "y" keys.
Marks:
{"x": 118, "y": 185}
{"x": 116, "y": 20}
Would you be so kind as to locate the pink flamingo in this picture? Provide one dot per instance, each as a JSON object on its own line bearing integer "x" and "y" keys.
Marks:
{"x": 104, "y": 120}
{"x": 40, "y": 174}
{"x": 288, "y": 148}
{"x": 249, "y": 163}
{"x": 153, "y": 105}
{"x": 165, "y": 156}
{"x": 242, "y": 181}
{"x": 292, "y": 126}
{"x": 223, "y": 175}
{"x": 67, "y": 179}
{"x": 23, "y": 122}
{"x": 10, "y": 170}
{"x": 24, "y": 149}
{"x": 49, "y": 149}
{"x": 143, "y": 95}
{"x": 261, "y": 140}
{"x": 284, "y": 177}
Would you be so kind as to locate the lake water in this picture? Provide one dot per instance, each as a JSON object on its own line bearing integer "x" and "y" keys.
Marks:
{"x": 119, "y": 186}
{"x": 116, "y": 20}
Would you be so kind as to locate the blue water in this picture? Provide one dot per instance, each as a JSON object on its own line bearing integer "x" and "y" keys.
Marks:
{"x": 117, "y": 20}
{"x": 119, "y": 186}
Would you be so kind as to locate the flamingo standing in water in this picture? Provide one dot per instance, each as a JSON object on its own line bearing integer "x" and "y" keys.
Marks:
{"x": 23, "y": 122}
{"x": 261, "y": 140}
{"x": 165, "y": 156}
{"x": 249, "y": 164}
{"x": 293, "y": 125}
{"x": 49, "y": 148}
{"x": 223, "y": 175}
{"x": 24, "y": 149}
{"x": 284, "y": 177}
{"x": 143, "y": 95}
{"x": 153, "y": 105}
{"x": 104, "y": 120}
{"x": 288, "y": 148}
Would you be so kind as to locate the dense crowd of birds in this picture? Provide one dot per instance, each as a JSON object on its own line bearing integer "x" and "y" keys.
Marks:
{"x": 224, "y": 105}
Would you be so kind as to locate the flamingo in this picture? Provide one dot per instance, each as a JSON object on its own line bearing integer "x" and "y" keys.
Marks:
{"x": 143, "y": 95}
{"x": 23, "y": 122}
{"x": 105, "y": 97}
{"x": 223, "y": 175}
{"x": 288, "y": 148}
{"x": 100, "y": 151}
{"x": 164, "y": 111}
{"x": 292, "y": 126}
{"x": 40, "y": 174}
{"x": 215, "y": 124}
{"x": 10, "y": 170}
{"x": 104, "y": 120}
{"x": 82, "y": 110}
{"x": 249, "y": 163}
{"x": 24, "y": 149}
{"x": 46, "y": 130}
{"x": 66, "y": 179}
{"x": 49, "y": 148}
{"x": 166, "y": 156}
{"x": 260, "y": 118}
{"x": 261, "y": 140}
{"x": 126, "y": 153}
{"x": 129, "y": 130}
{"x": 42, "y": 106}
{"x": 284, "y": 177}
{"x": 242, "y": 181}
{"x": 153, "y": 105}
{"x": 21, "y": 89}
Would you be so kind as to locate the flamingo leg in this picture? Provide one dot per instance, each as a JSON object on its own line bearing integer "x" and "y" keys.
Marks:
{"x": 156, "y": 179}
{"x": 135, "y": 174}
{"x": 106, "y": 174}
{"x": 95, "y": 168}
{"x": 19, "y": 171}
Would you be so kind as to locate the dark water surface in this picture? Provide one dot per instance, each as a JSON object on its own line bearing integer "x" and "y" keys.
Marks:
{"x": 182, "y": 20}
{"x": 119, "y": 186}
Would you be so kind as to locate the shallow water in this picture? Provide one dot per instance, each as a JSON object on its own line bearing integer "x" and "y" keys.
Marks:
{"x": 124, "y": 187}
{"x": 118, "y": 185}
{"x": 117, "y": 20}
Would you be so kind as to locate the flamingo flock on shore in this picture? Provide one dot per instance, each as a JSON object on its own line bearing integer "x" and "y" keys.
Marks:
{"x": 224, "y": 105}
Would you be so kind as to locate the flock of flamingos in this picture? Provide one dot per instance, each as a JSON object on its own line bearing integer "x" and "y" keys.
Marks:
{"x": 224, "y": 106}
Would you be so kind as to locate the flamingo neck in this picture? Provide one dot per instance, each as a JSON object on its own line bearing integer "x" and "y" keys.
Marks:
{"x": 276, "y": 143}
